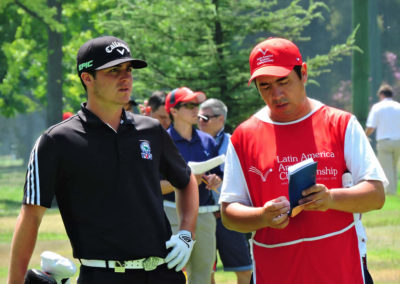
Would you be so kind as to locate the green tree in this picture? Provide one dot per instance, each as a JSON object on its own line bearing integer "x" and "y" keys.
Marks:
{"x": 205, "y": 44}
{"x": 38, "y": 55}
{"x": 201, "y": 44}
{"x": 389, "y": 26}
{"x": 24, "y": 87}
{"x": 39, "y": 49}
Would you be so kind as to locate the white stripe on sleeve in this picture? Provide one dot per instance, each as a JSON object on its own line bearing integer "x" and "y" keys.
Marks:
{"x": 32, "y": 178}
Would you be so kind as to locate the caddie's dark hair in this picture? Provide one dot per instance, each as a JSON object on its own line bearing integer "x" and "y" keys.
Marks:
{"x": 297, "y": 69}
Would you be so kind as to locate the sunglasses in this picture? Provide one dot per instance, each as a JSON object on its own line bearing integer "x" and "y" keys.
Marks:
{"x": 189, "y": 105}
{"x": 206, "y": 118}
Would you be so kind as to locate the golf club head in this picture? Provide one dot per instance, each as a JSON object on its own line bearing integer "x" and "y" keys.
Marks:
{"x": 34, "y": 276}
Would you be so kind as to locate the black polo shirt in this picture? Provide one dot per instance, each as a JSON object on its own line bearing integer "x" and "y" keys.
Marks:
{"x": 107, "y": 183}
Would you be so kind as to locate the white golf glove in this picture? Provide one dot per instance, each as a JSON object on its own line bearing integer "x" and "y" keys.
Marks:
{"x": 182, "y": 245}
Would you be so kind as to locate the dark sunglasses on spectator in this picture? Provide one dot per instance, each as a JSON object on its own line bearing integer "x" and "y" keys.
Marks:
{"x": 206, "y": 118}
{"x": 189, "y": 105}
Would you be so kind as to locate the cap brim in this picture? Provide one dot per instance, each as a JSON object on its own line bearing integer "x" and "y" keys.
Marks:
{"x": 201, "y": 97}
{"x": 136, "y": 63}
{"x": 198, "y": 96}
{"x": 278, "y": 71}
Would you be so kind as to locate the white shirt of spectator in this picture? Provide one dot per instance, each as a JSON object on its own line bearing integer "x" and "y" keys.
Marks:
{"x": 385, "y": 117}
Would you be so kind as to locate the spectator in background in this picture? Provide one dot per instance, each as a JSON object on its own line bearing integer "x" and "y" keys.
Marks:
{"x": 131, "y": 105}
{"x": 194, "y": 145}
{"x": 67, "y": 115}
{"x": 155, "y": 107}
{"x": 385, "y": 118}
{"x": 232, "y": 246}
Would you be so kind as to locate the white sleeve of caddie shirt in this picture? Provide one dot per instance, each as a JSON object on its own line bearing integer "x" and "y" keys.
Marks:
{"x": 359, "y": 155}
{"x": 234, "y": 187}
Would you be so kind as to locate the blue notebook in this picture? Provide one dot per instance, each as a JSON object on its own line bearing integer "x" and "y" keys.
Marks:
{"x": 301, "y": 176}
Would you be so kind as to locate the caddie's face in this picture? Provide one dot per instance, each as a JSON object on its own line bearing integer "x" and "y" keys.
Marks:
{"x": 112, "y": 85}
{"x": 285, "y": 96}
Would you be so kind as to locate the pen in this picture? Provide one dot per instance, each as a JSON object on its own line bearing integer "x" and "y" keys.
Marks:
{"x": 206, "y": 182}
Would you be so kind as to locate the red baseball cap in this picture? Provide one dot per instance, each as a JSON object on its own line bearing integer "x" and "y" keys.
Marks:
{"x": 182, "y": 94}
{"x": 274, "y": 57}
{"x": 67, "y": 115}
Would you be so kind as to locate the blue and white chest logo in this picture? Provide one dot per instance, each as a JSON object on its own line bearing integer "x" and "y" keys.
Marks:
{"x": 146, "y": 150}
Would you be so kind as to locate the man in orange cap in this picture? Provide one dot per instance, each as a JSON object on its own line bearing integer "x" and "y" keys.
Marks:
{"x": 320, "y": 244}
{"x": 67, "y": 115}
{"x": 182, "y": 104}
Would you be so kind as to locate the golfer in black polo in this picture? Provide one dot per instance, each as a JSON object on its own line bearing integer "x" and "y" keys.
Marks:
{"x": 103, "y": 166}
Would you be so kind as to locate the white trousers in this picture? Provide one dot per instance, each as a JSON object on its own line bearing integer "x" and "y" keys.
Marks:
{"x": 201, "y": 261}
{"x": 388, "y": 155}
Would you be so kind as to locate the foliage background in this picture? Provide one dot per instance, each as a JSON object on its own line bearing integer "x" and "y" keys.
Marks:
{"x": 202, "y": 44}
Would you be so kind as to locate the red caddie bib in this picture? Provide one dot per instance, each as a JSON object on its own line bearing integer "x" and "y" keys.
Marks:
{"x": 316, "y": 247}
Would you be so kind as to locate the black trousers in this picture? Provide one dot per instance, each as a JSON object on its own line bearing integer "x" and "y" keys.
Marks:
{"x": 94, "y": 275}
{"x": 367, "y": 277}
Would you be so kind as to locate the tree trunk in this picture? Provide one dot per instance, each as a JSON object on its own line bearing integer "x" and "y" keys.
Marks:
{"x": 360, "y": 70}
{"x": 54, "y": 69}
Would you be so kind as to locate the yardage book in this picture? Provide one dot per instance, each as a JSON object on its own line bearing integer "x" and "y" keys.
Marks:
{"x": 301, "y": 176}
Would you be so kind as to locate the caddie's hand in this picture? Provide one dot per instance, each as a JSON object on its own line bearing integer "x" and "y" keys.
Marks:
{"x": 319, "y": 197}
{"x": 182, "y": 245}
{"x": 276, "y": 213}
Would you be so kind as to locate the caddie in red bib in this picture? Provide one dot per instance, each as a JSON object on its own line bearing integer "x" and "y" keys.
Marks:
{"x": 319, "y": 245}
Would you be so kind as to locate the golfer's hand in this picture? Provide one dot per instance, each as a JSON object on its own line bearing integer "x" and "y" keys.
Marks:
{"x": 182, "y": 245}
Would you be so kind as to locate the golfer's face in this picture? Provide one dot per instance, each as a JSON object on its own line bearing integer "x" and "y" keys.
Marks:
{"x": 114, "y": 85}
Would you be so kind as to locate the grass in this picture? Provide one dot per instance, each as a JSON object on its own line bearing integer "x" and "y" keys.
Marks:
{"x": 383, "y": 245}
{"x": 12, "y": 178}
{"x": 382, "y": 227}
